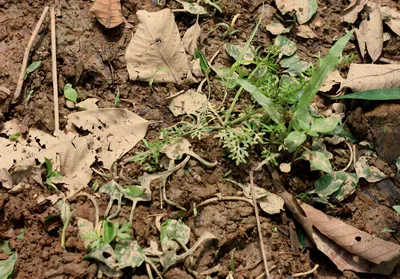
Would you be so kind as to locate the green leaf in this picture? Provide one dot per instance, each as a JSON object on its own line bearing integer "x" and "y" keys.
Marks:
{"x": 270, "y": 108}
{"x": 133, "y": 191}
{"x": 4, "y": 247}
{"x": 110, "y": 230}
{"x": 294, "y": 65}
{"x": 172, "y": 230}
{"x": 239, "y": 51}
{"x": 105, "y": 255}
{"x": 168, "y": 259}
{"x": 14, "y": 137}
{"x": 32, "y": 67}
{"x": 348, "y": 188}
{"x": 328, "y": 184}
{"x": 324, "y": 125}
{"x": 318, "y": 161}
{"x": 193, "y": 8}
{"x": 129, "y": 255}
{"x": 308, "y": 10}
{"x": 203, "y": 61}
{"x": 70, "y": 93}
{"x": 294, "y": 140}
{"x": 65, "y": 210}
{"x": 396, "y": 208}
{"x": 287, "y": 47}
{"x": 7, "y": 266}
{"x": 370, "y": 173}
{"x": 386, "y": 94}
{"x": 21, "y": 235}
{"x": 398, "y": 165}
{"x": 326, "y": 66}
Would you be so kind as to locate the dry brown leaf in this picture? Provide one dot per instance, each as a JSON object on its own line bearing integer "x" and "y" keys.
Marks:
{"x": 392, "y": 19}
{"x": 108, "y": 12}
{"x": 353, "y": 9}
{"x": 189, "y": 102}
{"x": 157, "y": 45}
{"x": 190, "y": 38}
{"x": 118, "y": 131}
{"x": 334, "y": 78}
{"x": 371, "y": 76}
{"x": 277, "y": 28}
{"x": 305, "y": 31}
{"x": 348, "y": 247}
{"x": 371, "y": 32}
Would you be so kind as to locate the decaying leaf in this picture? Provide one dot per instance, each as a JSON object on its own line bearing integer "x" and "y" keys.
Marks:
{"x": 334, "y": 78}
{"x": 85, "y": 228}
{"x": 305, "y": 9}
{"x": 193, "y": 8}
{"x": 88, "y": 104}
{"x": 131, "y": 255}
{"x": 157, "y": 44}
{"x": 189, "y": 102}
{"x": 370, "y": 173}
{"x": 277, "y": 28}
{"x": 239, "y": 51}
{"x": 347, "y": 247}
{"x": 370, "y": 33}
{"x": 305, "y": 31}
{"x": 191, "y": 37}
{"x": 318, "y": 161}
{"x": 287, "y": 47}
{"x": 348, "y": 188}
{"x": 353, "y": 9}
{"x": 108, "y": 12}
{"x": 171, "y": 232}
{"x": 392, "y": 19}
{"x": 119, "y": 130}
{"x": 113, "y": 132}
{"x": 363, "y": 77}
{"x": 271, "y": 204}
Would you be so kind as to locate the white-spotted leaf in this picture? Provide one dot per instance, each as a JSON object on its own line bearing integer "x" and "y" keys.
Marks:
{"x": 172, "y": 232}
{"x": 318, "y": 161}
{"x": 370, "y": 173}
{"x": 329, "y": 183}
{"x": 131, "y": 255}
{"x": 294, "y": 140}
{"x": 7, "y": 266}
{"x": 287, "y": 47}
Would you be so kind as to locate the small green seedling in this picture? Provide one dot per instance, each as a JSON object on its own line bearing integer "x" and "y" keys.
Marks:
{"x": 215, "y": 4}
{"x": 116, "y": 100}
{"x": 15, "y": 137}
{"x": 51, "y": 174}
{"x": 29, "y": 95}
{"x": 32, "y": 67}
{"x": 70, "y": 93}
{"x": 229, "y": 29}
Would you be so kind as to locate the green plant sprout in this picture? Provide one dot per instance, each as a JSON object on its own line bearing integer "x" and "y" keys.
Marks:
{"x": 229, "y": 29}
{"x": 51, "y": 175}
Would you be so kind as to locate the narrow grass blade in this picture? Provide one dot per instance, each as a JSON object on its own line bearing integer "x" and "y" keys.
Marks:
{"x": 326, "y": 66}
{"x": 374, "y": 95}
{"x": 270, "y": 108}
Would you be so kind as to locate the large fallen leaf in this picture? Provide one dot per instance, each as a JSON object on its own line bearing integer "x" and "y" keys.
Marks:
{"x": 305, "y": 9}
{"x": 108, "y": 12}
{"x": 371, "y": 76}
{"x": 113, "y": 132}
{"x": 370, "y": 33}
{"x": 118, "y": 131}
{"x": 191, "y": 37}
{"x": 157, "y": 44}
{"x": 347, "y": 247}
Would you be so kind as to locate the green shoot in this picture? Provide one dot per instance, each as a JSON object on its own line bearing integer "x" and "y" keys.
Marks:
{"x": 51, "y": 174}
{"x": 32, "y": 67}
{"x": 15, "y": 137}
{"x": 29, "y": 95}
{"x": 116, "y": 100}
{"x": 229, "y": 29}
{"x": 386, "y": 94}
{"x": 70, "y": 93}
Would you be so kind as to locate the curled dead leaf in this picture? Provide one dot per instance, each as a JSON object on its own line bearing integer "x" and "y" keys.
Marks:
{"x": 347, "y": 247}
{"x": 108, "y": 12}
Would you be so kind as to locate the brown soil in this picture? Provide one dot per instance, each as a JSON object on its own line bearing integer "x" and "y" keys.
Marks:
{"x": 92, "y": 59}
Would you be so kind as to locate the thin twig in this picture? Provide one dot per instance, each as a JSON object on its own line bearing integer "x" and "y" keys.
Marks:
{"x": 253, "y": 195}
{"x": 307, "y": 272}
{"x": 96, "y": 207}
{"x": 54, "y": 66}
{"x": 20, "y": 83}
{"x": 351, "y": 156}
{"x": 264, "y": 274}
{"x": 221, "y": 198}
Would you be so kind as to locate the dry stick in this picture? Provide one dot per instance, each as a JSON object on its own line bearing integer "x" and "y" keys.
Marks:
{"x": 258, "y": 224}
{"x": 54, "y": 66}
{"x": 307, "y": 272}
{"x": 20, "y": 83}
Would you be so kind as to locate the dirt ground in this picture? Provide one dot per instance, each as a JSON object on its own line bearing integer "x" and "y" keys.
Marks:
{"x": 92, "y": 59}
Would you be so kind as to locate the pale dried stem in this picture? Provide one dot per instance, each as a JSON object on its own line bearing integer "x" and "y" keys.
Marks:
{"x": 351, "y": 156}
{"x": 20, "y": 83}
{"x": 253, "y": 195}
{"x": 54, "y": 67}
{"x": 307, "y": 272}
